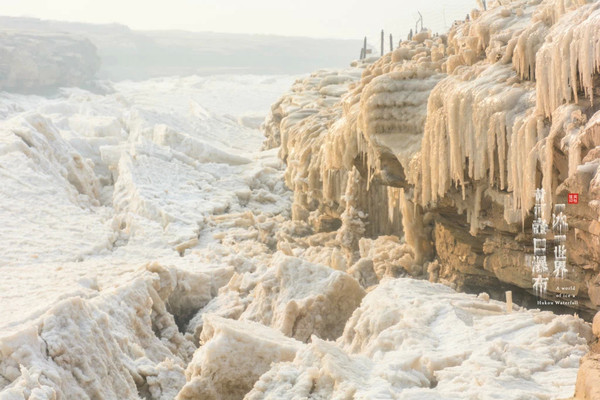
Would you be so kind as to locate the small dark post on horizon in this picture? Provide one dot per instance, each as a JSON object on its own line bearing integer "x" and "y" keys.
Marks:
{"x": 391, "y": 43}
{"x": 365, "y": 48}
{"x": 382, "y": 43}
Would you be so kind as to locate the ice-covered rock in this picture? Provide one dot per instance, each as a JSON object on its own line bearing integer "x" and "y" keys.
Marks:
{"x": 588, "y": 377}
{"x": 306, "y": 97}
{"x": 451, "y": 136}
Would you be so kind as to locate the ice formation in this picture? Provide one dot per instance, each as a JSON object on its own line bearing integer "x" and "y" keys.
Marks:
{"x": 95, "y": 186}
{"x": 299, "y": 299}
{"x": 451, "y": 135}
{"x": 120, "y": 343}
{"x": 233, "y": 355}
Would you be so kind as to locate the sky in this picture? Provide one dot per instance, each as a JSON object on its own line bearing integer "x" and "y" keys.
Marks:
{"x": 346, "y": 19}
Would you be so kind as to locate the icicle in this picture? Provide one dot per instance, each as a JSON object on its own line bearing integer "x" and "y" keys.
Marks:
{"x": 414, "y": 232}
{"x": 476, "y": 210}
{"x": 391, "y": 204}
{"x": 574, "y": 156}
{"x": 466, "y": 127}
{"x": 570, "y": 60}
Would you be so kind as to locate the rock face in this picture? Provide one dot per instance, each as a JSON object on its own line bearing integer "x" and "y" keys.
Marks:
{"x": 36, "y": 62}
{"x": 445, "y": 140}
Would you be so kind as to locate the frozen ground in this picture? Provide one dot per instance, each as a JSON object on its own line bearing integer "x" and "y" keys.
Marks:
{"x": 147, "y": 252}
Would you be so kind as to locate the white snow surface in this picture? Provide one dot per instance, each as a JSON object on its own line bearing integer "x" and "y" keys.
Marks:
{"x": 147, "y": 252}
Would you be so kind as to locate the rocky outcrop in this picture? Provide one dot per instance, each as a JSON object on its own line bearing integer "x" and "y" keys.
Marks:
{"x": 444, "y": 141}
{"x": 37, "y": 62}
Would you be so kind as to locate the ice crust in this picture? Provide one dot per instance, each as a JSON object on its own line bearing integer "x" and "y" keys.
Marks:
{"x": 121, "y": 343}
{"x": 216, "y": 372}
{"x": 94, "y": 186}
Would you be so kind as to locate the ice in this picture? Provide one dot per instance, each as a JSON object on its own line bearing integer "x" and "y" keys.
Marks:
{"x": 233, "y": 356}
{"x": 469, "y": 112}
{"x": 389, "y": 256}
{"x": 40, "y": 167}
{"x": 568, "y": 61}
{"x": 121, "y": 343}
{"x": 469, "y": 123}
{"x": 298, "y": 298}
{"x": 412, "y": 339}
{"x": 95, "y": 185}
{"x": 321, "y": 370}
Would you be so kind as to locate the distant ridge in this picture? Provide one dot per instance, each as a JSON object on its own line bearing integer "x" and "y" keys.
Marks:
{"x": 128, "y": 54}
